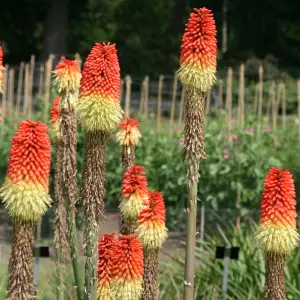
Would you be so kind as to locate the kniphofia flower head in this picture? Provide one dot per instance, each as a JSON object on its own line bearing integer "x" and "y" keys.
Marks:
{"x": 198, "y": 60}
{"x": 277, "y": 230}
{"x": 54, "y": 119}
{"x": 25, "y": 191}
{"x": 98, "y": 107}
{"x": 128, "y": 268}
{"x": 67, "y": 80}
{"x": 129, "y": 133}
{"x": 151, "y": 226}
{"x": 106, "y": 247}
{"x": 134, "y": 192}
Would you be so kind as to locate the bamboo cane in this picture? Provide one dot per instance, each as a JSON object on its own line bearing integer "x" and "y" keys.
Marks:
{"x": 181, "y": 107}
{"x": 128, "y": 83}
{"x": 20, "y": 87}
{"x": 270, "y": 101}
{"x": 159, "y": 101}
{"x": 26, "y": 88}
{"x": 41, "y": 80}
{"x": 142, "y": 97}
{"x": 298, "y": 97}
{"x": 146, "y": 100}
{"x": 5, "y": 92}
{"x": 241, "y": 106}
{"x": 229, "y": 101}
{"x": 208, "y": 100}
{"x": 260, "y": 100}
{"x": 48, "y": 72}
{"x": 174, "y": 94}
{"x": 220, "y": 99}
{"x": 256, "y": 98}
{"x": 283, "y": 103}
{"x": 78, "y": 60}
{"x": 121, "y": 90}
{"x": 275, "y": 105}
{"x": 31, "y": 77}
{"x": 11, "y": 76}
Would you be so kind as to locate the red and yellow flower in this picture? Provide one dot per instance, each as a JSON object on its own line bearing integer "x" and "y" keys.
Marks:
{"x": 128, "y": 269}
{"x": 151, "y": 226}
{"x": 98, "y": 107}
{"x": 106, "y": 247}
{"x": 54, "y": 118}
{"x": 134, "y": 192}
{"x": 25, "y": 191}
{"x": 129, "y": 133}
{"x": 198, "y": 60}
{"x": 277, "y": 230}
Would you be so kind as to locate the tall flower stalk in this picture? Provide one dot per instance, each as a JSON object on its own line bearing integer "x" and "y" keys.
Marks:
{"x": 128, "y": 269}
{"x": 128, "y": 137}
{"x": 99, "y": 113}
{"x": 197, "y": 73}
{"x": 152, "y": 232}
{"x": 25, "y": 196}
{"x": 60, "y": 223}
{"x": 67, "y": 81}
{"x": 134, "y": 193}
{"x": 277, "y": 234}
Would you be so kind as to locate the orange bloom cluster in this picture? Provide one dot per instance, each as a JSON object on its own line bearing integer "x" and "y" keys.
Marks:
{"x": 25, "y": 191}
{"x": 134, "y": 192}
{"x": 151, "y": 222}
{"x": 55, "y": 113}
{"x": 101, "y": 74}
{"x": 199, "y": 50}
{"x": 277, "y": 230}
{"x": 129, "y": 133}
{"x": 128, "y": 268}
{"x": 106, "y": 248}
{"x": 135, "y": 182}
{"x": 67, "y": 67}
{"x": 30, "y": 154}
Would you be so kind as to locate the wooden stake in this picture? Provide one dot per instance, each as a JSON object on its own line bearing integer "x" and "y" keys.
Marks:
{"x": 270, "y": 101}
{"x": 260, "y": 100}
{"x": 220, "y": 99}
{"x": 48, "y": 71}
{"x": 146, "y": 95}
{"x": 5, "y": 91}
{"x": 26, "y": 89}
{"x": 142, "y": 98}
{"x": 128, "y": 83}
{"x": 41, "y": 80}
{"x": 275, "y": 104}
{"x": 31, "y": 78}
{"x": 11, "y": 93}
{"x": 78, "y": 60}
{"x": 181, "y": 107}
{"x": 174, "y": 94}
{"x": 256, "y": 98}
{"x": 121, "y": 90}
{"x": 229, "y": 101}
{"x": 20, "y": 87}
{"x": 159, "y": 101}
{"x": 283, "y": 103}
{"x": 207, "y": 104}
{"x": 241, "y": 103}
{"x": 298, "y": 97}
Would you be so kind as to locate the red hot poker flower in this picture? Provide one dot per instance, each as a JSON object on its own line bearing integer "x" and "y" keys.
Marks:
{"x": 55, "y": 113}
{"x": 277, "y": 230}
{"x": 106, "y": 248}
{"x": 129, "y": 133}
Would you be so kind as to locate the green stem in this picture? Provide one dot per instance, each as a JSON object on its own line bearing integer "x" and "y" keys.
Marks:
{"x": 90, "y": 251}
{"x": 74, "y": 253}
{"x": 60, "y": 281}
{"x": 191, "y": 232}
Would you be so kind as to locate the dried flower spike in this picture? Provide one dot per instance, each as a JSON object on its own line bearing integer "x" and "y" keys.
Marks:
{"x": 129, "y": 133}
{"x": 151, "y": 226}
{"x": 134, "y": 192}
{"x": 128, "y": 269}
{"x": 54, "y": 119}
{"x": 25, "y": 191}
{"x": 98, "y": 108}
{"x": 106, "y": 247}
{"x": 198, "y": 58}
{"x": 277, "y": 230}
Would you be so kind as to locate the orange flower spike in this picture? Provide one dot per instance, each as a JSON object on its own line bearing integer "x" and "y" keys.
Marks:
{"x": 151, "y": 226}
{"x": 128, "y": 269}
{"x": 134, "y": 192}
{"x": 25, "y": 191}
{"x": 98, "y": 108}
{"x": 106, "y": 248}
{"x": 54, "y": 118}
{"x": 277, "y": 230}
{"x": 198, "y": 60}
{"x": 129, "y": 133}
